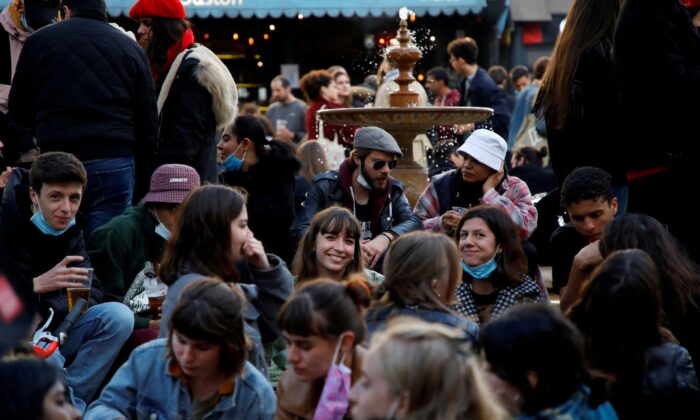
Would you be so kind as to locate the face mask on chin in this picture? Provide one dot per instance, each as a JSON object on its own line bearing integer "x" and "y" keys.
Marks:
{"x": 482, "y": 271}
{"x": 232, "y": 163}
{"x": 361, "y": 179}
{"x": 161, "y": 229}
{"x": 44, "y": 227}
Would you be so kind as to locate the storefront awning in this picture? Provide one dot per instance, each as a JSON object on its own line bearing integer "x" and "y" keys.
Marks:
{"x": 318, "y": 8}
{"x": 537, "y": 10}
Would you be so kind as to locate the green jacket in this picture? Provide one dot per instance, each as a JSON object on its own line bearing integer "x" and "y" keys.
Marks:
{"x": 119, "y": 250}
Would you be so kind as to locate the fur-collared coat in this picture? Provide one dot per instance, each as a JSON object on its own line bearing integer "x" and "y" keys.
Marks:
{"x": 198, "y": 96}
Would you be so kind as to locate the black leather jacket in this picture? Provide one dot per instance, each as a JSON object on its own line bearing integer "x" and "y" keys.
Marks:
{"x": 669, "y": 388}
{"x": 396, "y": 216}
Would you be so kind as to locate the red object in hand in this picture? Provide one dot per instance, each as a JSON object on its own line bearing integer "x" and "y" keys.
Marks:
{"x": 45, "y": 348}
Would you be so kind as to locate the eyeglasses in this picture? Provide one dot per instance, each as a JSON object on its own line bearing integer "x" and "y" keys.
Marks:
{"x": 380, "y": 164}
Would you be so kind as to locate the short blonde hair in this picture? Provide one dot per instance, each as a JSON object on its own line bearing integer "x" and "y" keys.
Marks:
{"x": 434, "y": 365}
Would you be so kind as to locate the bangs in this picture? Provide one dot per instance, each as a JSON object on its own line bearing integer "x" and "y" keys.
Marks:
{"x": 298, "y": 317}
{"x": 339, "y": 221}
{"x": 191, "y": 321}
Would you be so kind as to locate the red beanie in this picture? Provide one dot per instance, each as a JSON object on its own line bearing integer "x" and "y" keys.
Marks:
{"x": 171, "y": 9}
{"x": 691, "y": 4}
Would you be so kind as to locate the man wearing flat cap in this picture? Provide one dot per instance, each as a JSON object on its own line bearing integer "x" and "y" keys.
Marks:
{"x": 363, "y": 185}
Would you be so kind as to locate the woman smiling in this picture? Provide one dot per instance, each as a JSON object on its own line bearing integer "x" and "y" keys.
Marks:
{"x": 494, "y": 264}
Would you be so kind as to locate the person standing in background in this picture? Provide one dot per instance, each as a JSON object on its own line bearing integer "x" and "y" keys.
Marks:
{"x": 196, "y": 92}
{"x": 287, "y": 113}
{"x": 91, "y": 94}
{"x": 659, "y": 142}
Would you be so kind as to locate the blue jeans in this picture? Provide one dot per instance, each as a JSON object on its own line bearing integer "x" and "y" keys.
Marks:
{"x": 109, "y": 191}
{"x": 93, "y": 343}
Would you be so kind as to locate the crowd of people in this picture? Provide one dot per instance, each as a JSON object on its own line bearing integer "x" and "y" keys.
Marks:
{"x": 239, "y": 268}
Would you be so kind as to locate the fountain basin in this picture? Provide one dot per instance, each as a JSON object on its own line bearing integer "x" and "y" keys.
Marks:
{"x": 405, "y": 124}
{"x": 418, "y": 118}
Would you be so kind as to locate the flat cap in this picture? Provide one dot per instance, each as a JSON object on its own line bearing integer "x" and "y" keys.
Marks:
{"x": 374, "y": 138}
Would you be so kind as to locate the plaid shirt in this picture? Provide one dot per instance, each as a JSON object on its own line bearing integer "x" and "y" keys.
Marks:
{"x": 514, "y": 198}
{"x": 526, "y": 291}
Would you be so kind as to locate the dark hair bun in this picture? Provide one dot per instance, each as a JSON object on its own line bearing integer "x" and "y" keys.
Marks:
{"x": 359, "y": 290}
{"x": 544, "y": 151}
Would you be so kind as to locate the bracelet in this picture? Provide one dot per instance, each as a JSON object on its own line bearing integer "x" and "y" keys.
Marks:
{"x": 386, "y": 235}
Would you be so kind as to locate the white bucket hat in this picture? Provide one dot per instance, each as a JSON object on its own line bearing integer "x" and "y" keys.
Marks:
{"x": 487, "y": 147}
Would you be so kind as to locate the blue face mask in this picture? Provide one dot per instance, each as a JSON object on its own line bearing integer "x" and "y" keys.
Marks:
{"x": 482, "y": 271}
{"x": 232, "y": 163}
{"x": 161, "y": 229}
{"x": 45, "y": 228}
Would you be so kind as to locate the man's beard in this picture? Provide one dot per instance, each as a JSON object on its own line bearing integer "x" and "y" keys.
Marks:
{"x": 373, "y": 182}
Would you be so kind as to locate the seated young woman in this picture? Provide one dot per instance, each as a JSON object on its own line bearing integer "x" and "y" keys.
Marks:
{"x": 494, "y": 263}
{"x": 33, "y": 388}
{"x": 422, "y": 272}
{"x": 647, "y": 374}
{"x": 322, "y": 325}
{"x": 330, "y": 248}
{"x": 535, "y": 358}
{"x": 265, "y": 169}
{"x": 419, "y": 370}
{"x": 198, "y": 371}
{"x": 212, "y": 239}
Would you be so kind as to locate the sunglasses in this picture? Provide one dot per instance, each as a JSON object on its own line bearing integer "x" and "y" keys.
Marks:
{"x": 380, "y": 164}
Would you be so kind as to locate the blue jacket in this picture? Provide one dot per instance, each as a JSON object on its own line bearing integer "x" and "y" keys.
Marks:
{"x": 143, "y": 388}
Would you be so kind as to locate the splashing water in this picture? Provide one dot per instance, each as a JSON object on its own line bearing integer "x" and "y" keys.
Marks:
{"x": 405, "y": 12}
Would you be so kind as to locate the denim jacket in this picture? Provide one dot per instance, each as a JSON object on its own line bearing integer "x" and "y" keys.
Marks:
{"x": 265, "y": 290}
{"x": 143, "y": 388}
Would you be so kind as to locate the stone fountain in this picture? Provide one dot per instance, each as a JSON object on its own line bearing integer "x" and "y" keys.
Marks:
{"x": 404, "y": 119}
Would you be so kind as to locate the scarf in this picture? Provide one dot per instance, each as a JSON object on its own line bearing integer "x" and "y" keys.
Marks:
{"x": 171, "y": 54}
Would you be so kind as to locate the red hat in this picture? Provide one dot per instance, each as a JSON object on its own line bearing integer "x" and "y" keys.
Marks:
{"x": 690, "y": 4}
{"x": 172, "y": 9}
